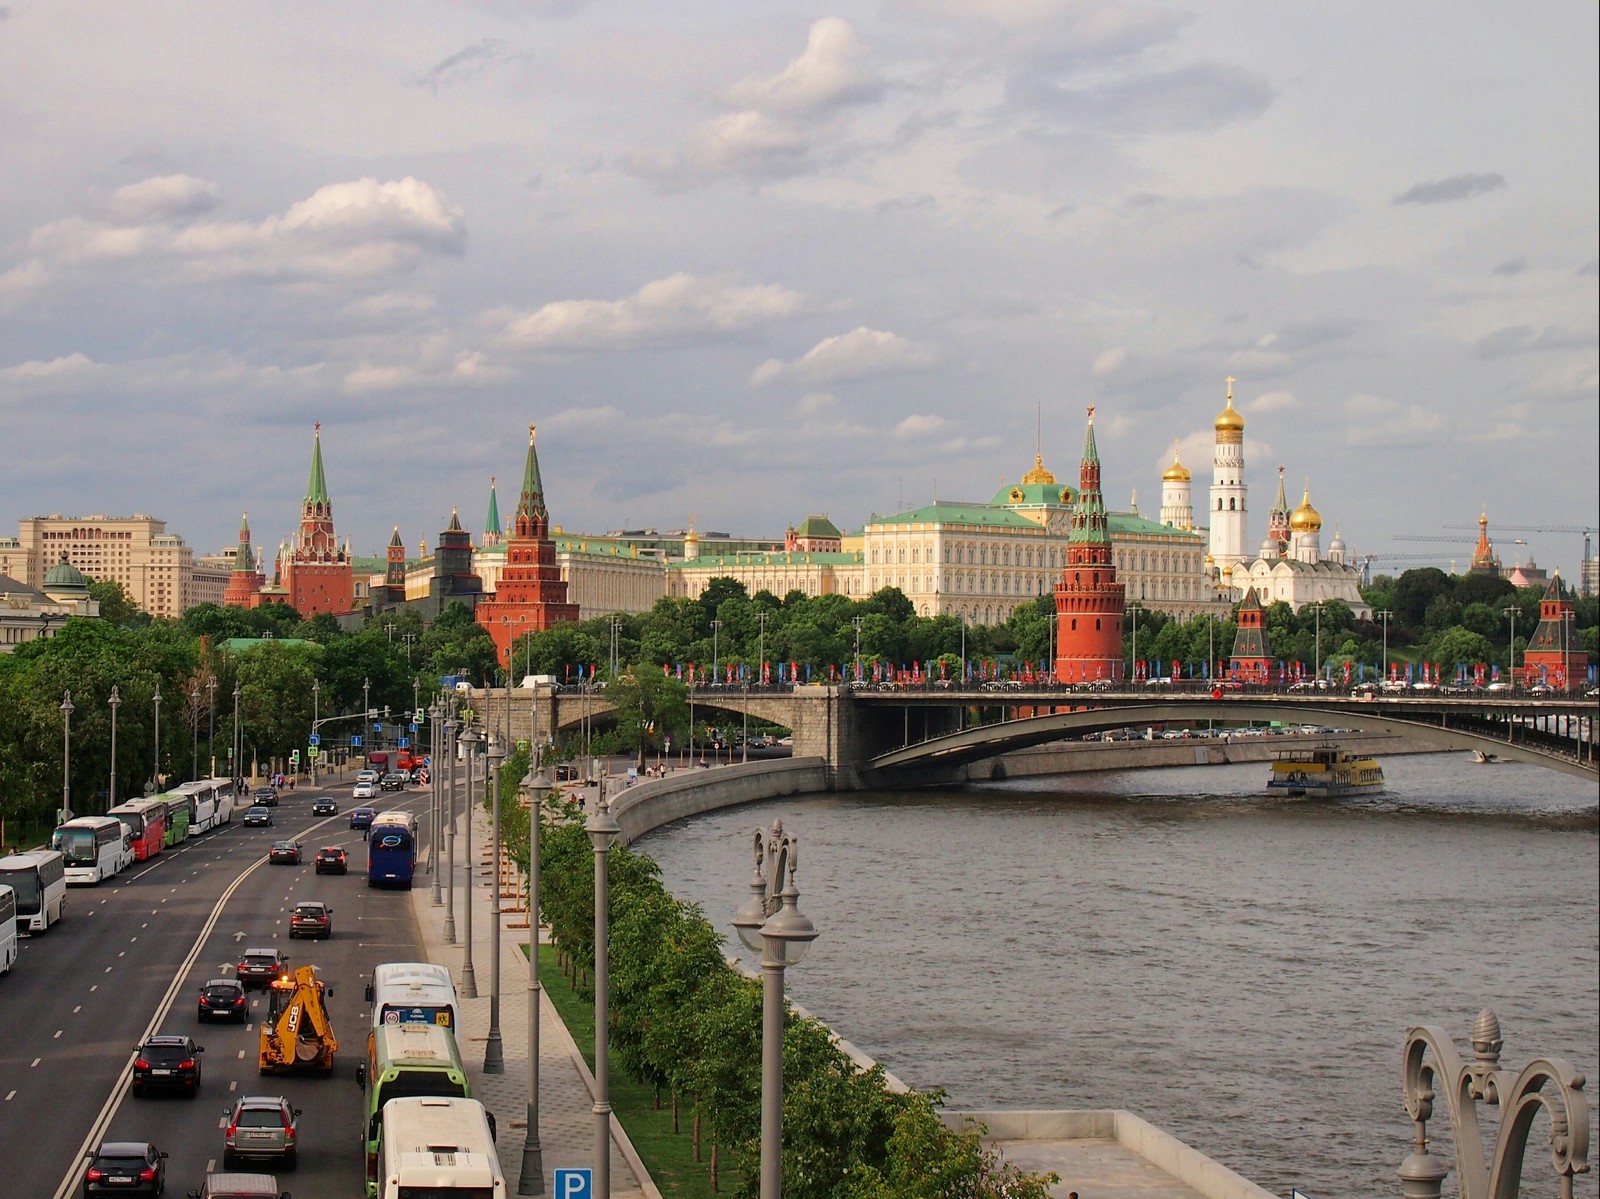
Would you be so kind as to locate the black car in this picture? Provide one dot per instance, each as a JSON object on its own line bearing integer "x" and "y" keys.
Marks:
{"x": 224, "y": 998}
{"x": 168, "y": 1062}
{"x": 332, "y": 860}
{"x": 258, "y": 816}
{"x": 394, "y": 781}
{"x": 262, "y": 966}
{"x": 286, "y": 853}
{"x": 267, "y": 796}
{"x": 326, "y": 806}
{"x": 362, "y": 817}
{"x": 126, "y": 1168}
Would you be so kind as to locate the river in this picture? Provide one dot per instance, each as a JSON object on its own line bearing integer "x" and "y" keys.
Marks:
{"x": 1235, "y": 969}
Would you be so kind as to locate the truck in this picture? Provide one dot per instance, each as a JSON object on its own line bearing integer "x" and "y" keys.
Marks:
{"x": 379, "y": 760}
{"x": 296, "y": 1033}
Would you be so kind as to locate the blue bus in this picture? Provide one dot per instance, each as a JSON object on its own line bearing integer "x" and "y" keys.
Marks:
{"x": 392, "y": 850}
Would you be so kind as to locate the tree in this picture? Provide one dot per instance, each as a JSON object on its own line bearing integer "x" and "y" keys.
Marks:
{"x": 1455, "y": 646}
{"x": 649, "y": 707}
{"x": 115, "y": 606}
{"x": 1415, "y": 590}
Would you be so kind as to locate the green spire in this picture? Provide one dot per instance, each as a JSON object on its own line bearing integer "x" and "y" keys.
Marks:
{"x": 1091, "y": 452}
{"x": 317, "y": 488}
{"x": 491, "y": 524}
{"x": 530, "y": 504}
{"x": 1089, "y": 510}
{"x": 394, "y": 540}
{"x": 243, "y": 559}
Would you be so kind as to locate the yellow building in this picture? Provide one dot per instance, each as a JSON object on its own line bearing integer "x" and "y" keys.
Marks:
{"x": 154, "y": 567}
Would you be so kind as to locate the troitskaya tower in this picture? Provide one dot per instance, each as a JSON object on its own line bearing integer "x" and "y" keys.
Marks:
{"x": 1227, "y": 515}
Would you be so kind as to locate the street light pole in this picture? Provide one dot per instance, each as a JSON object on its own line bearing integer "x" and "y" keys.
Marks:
{"x": 1134, "y": 608}
{"x": 771, "y": 921}
{"x": 211, "y": 731}
{"x": 155, "y": 773}
{"x": 450, "y": 829}
{"x": 316, "y": 715}
{"x": 602, "y": 829}
{"x": 435, "y": 714}
{"x": 111, "y": 791}
{"x": 531, "y": 1181}
{"x": 494, "y": 1059}
{"x": 470, "y": 737}
{"x": 716, "y": 627}
{"x": 66, "y": 756}
{"x": 857, "y": 622}
{"x": 1316, "y": 609}
{"x": 761, "y": 646}
{"x": 1384, "y": 615}
{"x": 1511, "y": 650}
{"x": 194, "y": 743}
{"x": 237, "y": 752}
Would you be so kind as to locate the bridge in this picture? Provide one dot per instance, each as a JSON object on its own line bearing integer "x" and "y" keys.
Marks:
{"x": 907, "y": 735}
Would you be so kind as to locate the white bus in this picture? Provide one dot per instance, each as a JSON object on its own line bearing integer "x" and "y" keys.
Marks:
{"x": 39, "y": 879}
{"x": 412, "y": 993}
{"x": 439, "y": 1147}
{"x": 222, "y": 792}
{"x": 95, "y": 848}
{"x": 8, "y": 929}
{"x": 206, "y": 802}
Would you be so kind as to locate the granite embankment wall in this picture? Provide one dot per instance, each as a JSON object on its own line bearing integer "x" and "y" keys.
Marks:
{"x": 651, "y": 803}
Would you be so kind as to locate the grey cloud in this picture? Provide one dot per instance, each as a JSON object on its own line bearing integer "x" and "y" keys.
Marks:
{"x": 1590, "y": 268}
{"x": 465, "y": 64}
{"x": 1312, "y": 334}
{"x": 922, "y": 203}
{"x": 1456, "y": 187}
{"x": 1512, "y": 266}
{"x": 1200, "y": 96}
{"x": 1524, "y": 339}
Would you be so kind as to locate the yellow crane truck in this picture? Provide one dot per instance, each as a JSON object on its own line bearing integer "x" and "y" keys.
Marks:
{"x": 297, "y": 1035}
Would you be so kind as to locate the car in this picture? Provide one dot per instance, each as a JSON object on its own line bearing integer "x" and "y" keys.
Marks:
{"x": 311, "y": 918}
{"x": 167, "y": 1062}
{"x": 1541, "y": 689}
{"x": 260, "y": 1126}
{"x": 258, "y": 816}
{"x": 1499, "y": 687}
{"x": 265, "y": 796}
{"x": 419, "y": 775}
{"x": 332, "y": 860}
{"x": 365, "y": 791}
{"x": 262, "y": 967}
{"x": 367, "y": 776}
{"x": 224, "y": 998}
{"x": 326, "y": 806}
{"x": 125, "y": 1168}
{"x": 284, "y": 853}
{"x": 362, "y": 817}
{"x": 394, "y": 781}
{"x": 234, "y": 1185}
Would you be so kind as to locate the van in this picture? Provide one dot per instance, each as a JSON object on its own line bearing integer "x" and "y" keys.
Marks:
{"x": 531, "y": 682}
{"x": 231, "y": 1185}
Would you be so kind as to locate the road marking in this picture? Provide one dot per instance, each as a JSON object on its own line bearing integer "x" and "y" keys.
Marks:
{"x": 234, "y": 1085}
{"x": 122, "y": 953}
{"x": 96, "y": 987}
{"x": 109, "y": 969}
{"x": 36, "y": 1062}
{"x": 146, "y": 924}
{"x": 57, "y": 1037}
{"x": 77, "y": 1009}
{"x": 10, "y": 1095}
{"x": 131, "y": 940}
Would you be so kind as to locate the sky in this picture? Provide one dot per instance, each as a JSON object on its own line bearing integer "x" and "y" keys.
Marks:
{"x": 750, "y": 262}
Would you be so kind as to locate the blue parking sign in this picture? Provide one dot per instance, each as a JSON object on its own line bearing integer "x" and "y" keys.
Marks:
{"x": 575, "y": 1184}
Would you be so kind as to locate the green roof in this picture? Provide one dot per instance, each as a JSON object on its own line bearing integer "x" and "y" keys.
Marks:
{"x": 317, "y": 488}
{"x": 530, "y": 504}
{"x": 1033, "y": 495}
{"x": 818, "y": 526}
{"x": 1126, "y": 524}
{"x": 957, "y": 514}
{"x": 797, "y": 558}
{"x": 238, "y": 645}
{"x": 491, "y": 524}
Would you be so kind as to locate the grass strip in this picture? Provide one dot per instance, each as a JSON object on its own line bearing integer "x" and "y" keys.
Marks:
{"x": 668, "y": 1156}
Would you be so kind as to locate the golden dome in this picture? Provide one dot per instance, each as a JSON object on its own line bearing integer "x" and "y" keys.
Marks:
{"x": 1305, "y": 518}
{"x": 1038, "y": 474}
{"x": 1229, "y": 420}
{"x": 1177, "y": 472}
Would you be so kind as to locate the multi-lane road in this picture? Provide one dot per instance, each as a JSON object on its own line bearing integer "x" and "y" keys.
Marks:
{"x": 128, "y": 962}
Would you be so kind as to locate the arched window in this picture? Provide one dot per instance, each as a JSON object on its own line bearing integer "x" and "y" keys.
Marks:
{"x": 1074, "y": 624}
{"x": 1231, "y": 506}
{"x": 1219, "y": 503}
{"x": 1097, "y": 624}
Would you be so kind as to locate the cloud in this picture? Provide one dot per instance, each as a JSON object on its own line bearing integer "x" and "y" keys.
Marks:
{"x": 163, "y": 198}
{"x": 1524, "y": 339}
{"x": 1512, "y": 266}
{"x": 1110, "y": 361}
{"x": 918, "y": 425}
{"x": 827, "y": 75}
{"x": 1374, "y": 420}
{"x": 676, "y": 310}
{"x": 817, "y": 403}
{"x": 1273, "y": 401}
{"x": 38, "y": 369}
{"x": 26, "y": 276}
{"x": 859, "y": 354}
{"x": 466, "y": 64}
{"x": 1456, "y": 187}
{"x": 1589, "y": 269}
{"x": 1197, "y": 97}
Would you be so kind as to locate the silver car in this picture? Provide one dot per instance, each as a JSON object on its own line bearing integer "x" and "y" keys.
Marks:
{"x": 260, "y": 1126}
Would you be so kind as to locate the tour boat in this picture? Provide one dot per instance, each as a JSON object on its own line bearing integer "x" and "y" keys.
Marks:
{"x": 1325, "y": 772}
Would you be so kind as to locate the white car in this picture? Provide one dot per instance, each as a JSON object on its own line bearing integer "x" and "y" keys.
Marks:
{"x": 367, "y": 776}
{"x": 367, "y": 789}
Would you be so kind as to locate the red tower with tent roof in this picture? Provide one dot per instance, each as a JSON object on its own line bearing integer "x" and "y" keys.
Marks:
{"x": 1555, "y": 653}
{"x": 1089, "y": 600}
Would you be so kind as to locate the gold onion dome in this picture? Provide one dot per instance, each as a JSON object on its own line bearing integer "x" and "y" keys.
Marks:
{"x": 1229, "y": 420}
{"x": 1038, "y": 474}
{"x": 1305, "y": 518}
{"x": 1177, "y": 472}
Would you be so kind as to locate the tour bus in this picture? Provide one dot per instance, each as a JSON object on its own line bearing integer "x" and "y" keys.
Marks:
{"x": 146, "y": 822}
{"x": 39, "y": 879}
{"x": 95, "y": 848}
{"x": 412, "y": 993}
{"x": 222, "y": 798}
{"x": 180, "y": 815}
{"x": 8, "y": 929}
{"x": 201, "y": 800}
{"x": 392, "y": 850}
{"x": 439, "y": 1147}
{"x": 404, "y": 1061}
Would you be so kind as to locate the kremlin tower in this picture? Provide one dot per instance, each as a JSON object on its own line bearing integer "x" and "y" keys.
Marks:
{"x": 1227, "y": 515}
{"x": 316, "y": 573}
{"x": 531, "y": 595}
{"x": 492, "y": 533}
{"x": 1277, "y": 543}
{"x": 1555, "y": 653}
{"x": 246, "y": 581}
{"x": 1089, "y": 600}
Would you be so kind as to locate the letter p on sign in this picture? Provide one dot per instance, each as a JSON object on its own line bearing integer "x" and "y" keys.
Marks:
{"x": 575, "y": 1184}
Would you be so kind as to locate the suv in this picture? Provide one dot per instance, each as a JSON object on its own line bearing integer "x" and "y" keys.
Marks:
{"x": 224, "y": 997}
{"x": 126, "y": 1168}
{"x": 311, "y": 919}
{"x": 394, "y": 781}
{"x": 263, "y": 966}
{"x": 362, "y": 817}
{"x": 332, "y": 860}
{"x": 239, "y": 1186}
{"x": 260, "y": 1126}
{"x": 167, "y": 1062}
{"x": 326, "y": 806}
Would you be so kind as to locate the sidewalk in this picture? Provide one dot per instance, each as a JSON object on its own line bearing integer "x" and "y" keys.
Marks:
{"x": 566, "y": 1095}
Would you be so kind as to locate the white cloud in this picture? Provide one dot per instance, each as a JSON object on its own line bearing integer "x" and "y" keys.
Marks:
{"x": 26, "y": 276}
{"x": 1273, "y": 401}
{"x": 162, "y": 198}
{"x": 829, "y": 73}
{"x": 1109, "y": 361}
{"x": 680, "y": 308}
{"x": 818, "y": 403}
{"x": 1375, "y": 420}
{"x": 862, "y": 353}
{"x": 38, "y": 369}
{"x": 918, "y": 424}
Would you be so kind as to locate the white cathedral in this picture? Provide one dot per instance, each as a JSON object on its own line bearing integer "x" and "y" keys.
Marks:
{"x": 1289, "y": 564}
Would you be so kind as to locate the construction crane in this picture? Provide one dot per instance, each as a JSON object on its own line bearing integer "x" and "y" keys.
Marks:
{"x": 1451, "y": 537}
{"x": 1367, "y": 560}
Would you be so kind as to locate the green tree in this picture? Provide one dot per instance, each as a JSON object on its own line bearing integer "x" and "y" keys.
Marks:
{"x": 650, "y": 707}
{"x": 115, "y": 606}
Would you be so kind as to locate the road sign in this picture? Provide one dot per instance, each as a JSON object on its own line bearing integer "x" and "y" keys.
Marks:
{"x": 355, "y": 741}
{"x": 314, "y": 739}
{"x": 575, "y": 1184}
{"x": 413, "y": 726}
{"x": 403, "y": 742}
{"x": 313, "y": 751}
{"x": 376, "y": 727}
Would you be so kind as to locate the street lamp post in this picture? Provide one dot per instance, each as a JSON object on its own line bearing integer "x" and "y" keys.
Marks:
{"x": 66, "y": 756}
{"x": 716, "y": 627}
{"x": 450, "y": 830}
{"x": 761, "y": 646}
{"x": 494, "y": 1059}
{"x": 211, "y": 731}
{"x": 1134, "y": 608}
{"x": 316, "y": 714}
{"x": 1511, "y": 650}
{"x": 770, "y": 921}
{"x": 857, "y": 622}
{"x": 531, "y": 1182}
{"x": 1384, "y": 615}
{"x": 602, "y": 829}
{"x": 470, "y": 737}
{"x": 236, "y": 752}
{"x": 434, "y": 716}
{"x": 194, "y": 743}
{"x": 1316, "y": 664}
{"x": 155, "y": 772}
{"x": 115, "y": 702}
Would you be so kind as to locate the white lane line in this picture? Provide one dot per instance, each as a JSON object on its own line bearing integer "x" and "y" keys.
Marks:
{"x": 10, "y": 1095}
{"x": 241, "y": 1052}
{"x": 109, "y": 968}
{"x": 57, "y": 1037}
{"x": 234, "y": 1085}
{"x": 36, "y": 1062}
{"x": 96, "y": 987}
{"x": 77, "y": 1009}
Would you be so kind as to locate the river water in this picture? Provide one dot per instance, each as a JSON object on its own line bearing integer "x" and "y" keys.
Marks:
{"x": 1238, "y": 970}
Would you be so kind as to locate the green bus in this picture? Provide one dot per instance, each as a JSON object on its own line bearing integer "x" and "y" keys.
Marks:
{"x": 406, "y": 1060}
{"x": 180, "y": 811}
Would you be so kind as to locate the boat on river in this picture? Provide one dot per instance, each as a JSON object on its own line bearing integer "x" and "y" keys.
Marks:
{"x": 1324, "y": 772}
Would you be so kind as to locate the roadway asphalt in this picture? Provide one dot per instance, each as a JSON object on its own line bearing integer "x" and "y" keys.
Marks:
{"x": 128, "y": 960}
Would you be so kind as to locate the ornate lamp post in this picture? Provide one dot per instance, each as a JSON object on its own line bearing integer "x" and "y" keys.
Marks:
{"x": 1134, "y": 608}
{"x": 211, "y": 732}
{"x": 1434, "y": 1071}
{"x": 435, "y": 715}
{"x": 1316, "y": 663}
{"x": 194, "y": 742}
{"x": 531, "y": 1182}
{"x": 716, "y": 627}
{"x": 471, "y": 738}
{"x": 1511, "y": 650}
{"x": 114, "y": 702}
{"x": 1386, "y": 616}
{"x": 316, "y": 713}
{"x": 494, "y": 1059}
{"x": 66, "y": 756}
{"x": 236, "y": 753}
{"x": 602, "y": 829}
{"x": 450, "y": 829}
{"x": 155, "y": 771}
{"x": 771, "y": 922}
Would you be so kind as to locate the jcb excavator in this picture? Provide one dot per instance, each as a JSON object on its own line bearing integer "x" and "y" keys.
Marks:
{"x": 297, "y": 1034}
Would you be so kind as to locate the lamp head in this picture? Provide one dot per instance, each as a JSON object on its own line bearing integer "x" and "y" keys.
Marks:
{"x": 602, "y": 826}
{"x": 497, "y": 750}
